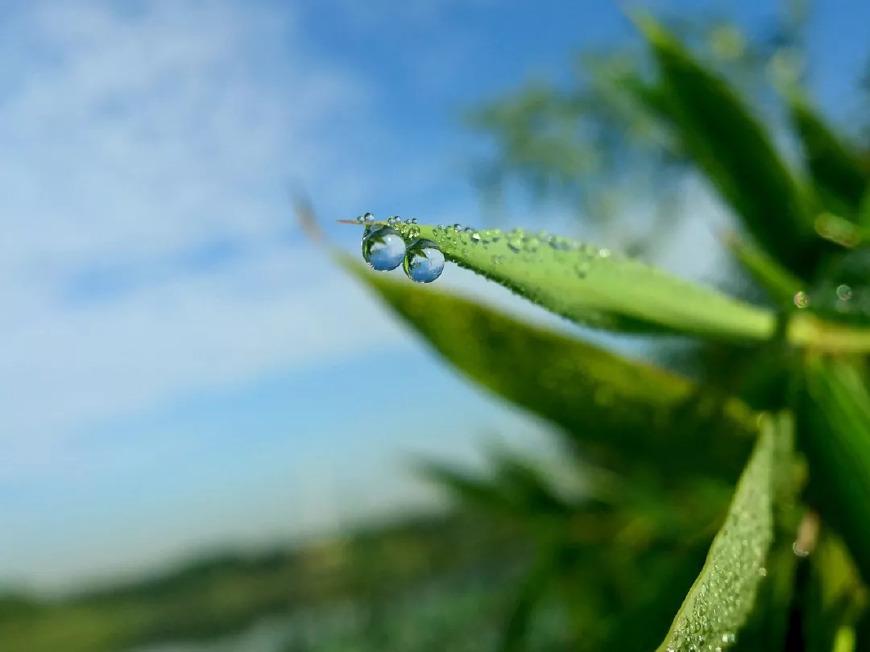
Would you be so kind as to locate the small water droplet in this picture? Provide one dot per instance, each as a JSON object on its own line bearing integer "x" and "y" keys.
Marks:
{"x": 801, "y": 299}
{"x": 424, "y": 261}
{"x": 475, "y": 237}
{"x": 762, "y": 571}
{"x": 799, "y": 550}
{"x": 844, "y": 292}
{"x": 383, "y": 248}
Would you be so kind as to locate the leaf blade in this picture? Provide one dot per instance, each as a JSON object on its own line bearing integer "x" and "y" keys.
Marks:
{"x": 576, "y": 385}
{"x": 836, "y": 170}
{"x": 722, "y": 597}
{"x": 835, "y": 435}
{"x": 593, "y": 286}
{"x": 731, "y": 146}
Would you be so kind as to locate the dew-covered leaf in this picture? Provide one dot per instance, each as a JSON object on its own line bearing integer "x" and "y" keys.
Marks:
{"x": 733, "y": 150}
{"x": 834, "y": 433}
{"x": 595, "y": 286}
{"x": 722, "y": 597}
{"x": 622, "y": 413}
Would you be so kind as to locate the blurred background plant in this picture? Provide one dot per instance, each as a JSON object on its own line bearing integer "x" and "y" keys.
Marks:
{"x": 598, "y": 549}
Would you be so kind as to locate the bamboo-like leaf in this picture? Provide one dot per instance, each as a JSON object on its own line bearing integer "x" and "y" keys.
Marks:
{"x": 834, "y": 433}
{"x": 595, "y": 286}
{"x": 837, "y": 171}
{"x": 622, "y": 413}
{"x": 721, "y": 599}
{"x": 734, "y": 151}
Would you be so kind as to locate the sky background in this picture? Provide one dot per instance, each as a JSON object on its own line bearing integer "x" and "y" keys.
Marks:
{"x": 179, "y": 369}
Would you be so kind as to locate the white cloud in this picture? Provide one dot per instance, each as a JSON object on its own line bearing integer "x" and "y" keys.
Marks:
{"x": 132, "y": 140}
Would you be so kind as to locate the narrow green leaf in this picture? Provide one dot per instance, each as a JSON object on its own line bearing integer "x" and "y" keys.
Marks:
{"x": 836, "y": 169}
{"x": 733, "y": 149}
{"x": 622, "y": 413}
{"x": 781, "y": 285}
{"x": 835, "y": 596}
{"x": 721, "y": 599}
{"x": 595, "y": 286}
{"x": 834, "y": 433}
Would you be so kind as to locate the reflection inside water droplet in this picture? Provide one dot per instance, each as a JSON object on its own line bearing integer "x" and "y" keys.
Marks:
{"x": 424, "y": 261}
{"x": 383, "y": 248}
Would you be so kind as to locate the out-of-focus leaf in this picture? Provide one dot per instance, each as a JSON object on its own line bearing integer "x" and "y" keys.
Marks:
{"x": 780, "y": 284}
{"x": 836, "y": 170}
{"x": 594, "y": 286}
{"x": 834, "y": 432}
{"x": 530, "y": 590}
{"x": 835, "y": 595}
{"x": 733, "y": 149}
{"x": 512, "y": 485}
{"x": 623, "y": 414}
{"x": 721, "y": 599}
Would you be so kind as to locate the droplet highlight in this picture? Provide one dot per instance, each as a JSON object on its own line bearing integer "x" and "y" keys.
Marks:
{"x": 424, "y": 261}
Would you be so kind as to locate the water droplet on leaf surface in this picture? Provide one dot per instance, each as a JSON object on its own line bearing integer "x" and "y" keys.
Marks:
{"x": 383, "y": 248}
{"x": 424, "y": 261}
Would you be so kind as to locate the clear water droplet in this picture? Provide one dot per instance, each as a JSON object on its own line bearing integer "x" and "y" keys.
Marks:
{"x": 801, "y": 299}
{"x": 424, "y": 261}
{"x": 383, "y": 248}
{"x": 844, "y": 292}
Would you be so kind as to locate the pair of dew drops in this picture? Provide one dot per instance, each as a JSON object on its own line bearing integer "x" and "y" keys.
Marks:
{"x": 384, "y": 249}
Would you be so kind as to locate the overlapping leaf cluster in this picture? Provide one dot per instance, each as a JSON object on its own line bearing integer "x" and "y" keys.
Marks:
{"x": 676, "y": 469}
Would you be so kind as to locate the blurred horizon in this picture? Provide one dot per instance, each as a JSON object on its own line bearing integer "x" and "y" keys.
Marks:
{"x": 184, "y": 372}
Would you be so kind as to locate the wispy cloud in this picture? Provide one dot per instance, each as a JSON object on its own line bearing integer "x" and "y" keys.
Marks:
{"x": 146, "y": 245}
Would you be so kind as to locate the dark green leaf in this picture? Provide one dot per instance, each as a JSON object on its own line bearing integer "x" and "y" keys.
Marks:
{"x": 835, "y": 596}
{"x": 834, "y": 432}
{"x": 733, "y": 149}
{"x": 837, "y": 171}
{"x": 781, "y": 285}
{"x": 622, "y": 413}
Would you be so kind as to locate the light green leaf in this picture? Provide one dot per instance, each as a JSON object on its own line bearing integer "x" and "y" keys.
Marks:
{"x": 595, "y": 286}
{"x": 734, "y": 150}
{"x": 834, "y": 433}
{"x": 721, "y": 599}
{"x": 621, "y": 413}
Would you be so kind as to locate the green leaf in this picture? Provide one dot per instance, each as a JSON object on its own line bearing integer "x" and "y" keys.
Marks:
{"x": 834, "y": 432}
{"x": 781, "y": 285}
{"x": 595, "y": 286}
{"x": 621, "y": 413}
{"x": 836, "y": 169}
{"x": 722, "y": 597}
{"x": 734, "y": 151}
{"x": 835, "y": 596}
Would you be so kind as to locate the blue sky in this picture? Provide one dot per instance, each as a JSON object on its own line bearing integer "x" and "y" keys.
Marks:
{"x": 180, "y": 369}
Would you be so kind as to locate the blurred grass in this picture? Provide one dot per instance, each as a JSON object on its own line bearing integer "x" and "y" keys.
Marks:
{"x": 444, "y": 573}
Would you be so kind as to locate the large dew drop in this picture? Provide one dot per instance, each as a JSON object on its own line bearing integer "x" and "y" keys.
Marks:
{"x": 383, "y": 248}
{"x": 424, "y": 261}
